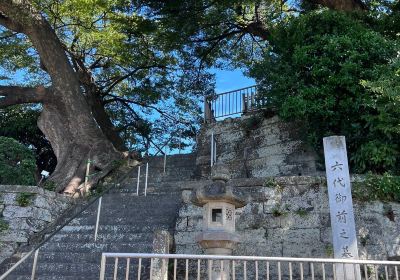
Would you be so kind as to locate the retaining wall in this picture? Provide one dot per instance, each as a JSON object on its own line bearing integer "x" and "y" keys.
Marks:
{"x": 289, "y": 217}
{"x": 255, "y": 147}
{"x": 25, "y": 211}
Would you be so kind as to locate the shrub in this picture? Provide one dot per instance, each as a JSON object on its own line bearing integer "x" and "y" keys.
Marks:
{"x": 384, "y": 187}
{"x": 17, "y": 163}
{"x": 24, "y": 199}
{"x": 334, "y": 74}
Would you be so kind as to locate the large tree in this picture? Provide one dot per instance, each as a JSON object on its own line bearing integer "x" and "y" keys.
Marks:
{"x": 66, "y": 118}
{"x": 103, "y": 65}
{"x": 103, "y": 68}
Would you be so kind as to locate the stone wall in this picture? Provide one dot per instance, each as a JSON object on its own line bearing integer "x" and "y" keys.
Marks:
{"x": 255, "y": 146}
{"x": 289, "y": 216}
{"x": 25, "y": 211}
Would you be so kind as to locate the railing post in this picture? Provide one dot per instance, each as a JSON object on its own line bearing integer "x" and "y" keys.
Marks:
{"x": 138, "y": 181}
{"x": 180, "y": 141}
{"x": 225, "y": 267}
{"x": 97, "y": 219}
{"x": 102, "y": 267}
{"x": 34, "y": 264}
{"x": 85, "y": 189}
{"x": 165, "y": 161}
{"x": 212, "y": 149}
{"x": 145, "y": 182}
{"x": 215, "y": 151}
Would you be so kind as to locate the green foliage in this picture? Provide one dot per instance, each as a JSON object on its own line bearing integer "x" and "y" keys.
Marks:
{"x": 329, "y": 250}
{"x": 144, "y": 76}
{"x": 49, "y": 185}
{"x": 272, "y": 183}
{"x": 24, "y": 199}
{"x": 280, "y": 210}
{"x": 148, "y": 83}
{"x": 17, "y": 163}
{"x": 332, "y": 72}
{"x": 20, "y": 122}
{"x": 302, "y": 212}
{"x": 98, "y": 190}
{"x": 276, "y": 212}
{"x": 3, "y": 225}
{"x": 384, "y": 187}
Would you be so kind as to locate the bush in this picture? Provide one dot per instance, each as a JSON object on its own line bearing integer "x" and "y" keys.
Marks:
{"x": 17, "y": 163}
{"x": 384, "y": 187}
{"x": 332, "y": 72}
{"x": 24, "y": 199}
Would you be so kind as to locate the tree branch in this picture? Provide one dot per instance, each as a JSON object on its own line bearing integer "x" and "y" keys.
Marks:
{"x": 5, "y": 37}
{"x": 8, "y": 23}
{"x": 13, "y": 95}
{"x": 129, "y": 101}
{"x": 129, "y": 74}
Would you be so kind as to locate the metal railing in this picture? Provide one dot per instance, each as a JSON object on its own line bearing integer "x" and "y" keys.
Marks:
{"x": 182, "y": 266}
{"x": 231, "y": 103}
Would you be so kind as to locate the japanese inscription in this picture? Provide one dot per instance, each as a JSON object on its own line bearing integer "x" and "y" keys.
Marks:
{"x": 341, "y": 205}
{"x": 341, "y": 216}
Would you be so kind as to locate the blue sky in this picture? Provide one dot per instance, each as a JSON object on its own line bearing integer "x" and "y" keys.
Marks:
{"x": 231, "y": 80}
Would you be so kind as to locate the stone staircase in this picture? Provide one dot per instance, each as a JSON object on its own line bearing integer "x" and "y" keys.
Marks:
{"x": 127, "y": 224}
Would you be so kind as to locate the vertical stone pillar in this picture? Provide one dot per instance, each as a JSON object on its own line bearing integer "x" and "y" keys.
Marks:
{"x": 341, "y": 206}
{"x": 162, "y": 243}
{"x": 208, "y": 117}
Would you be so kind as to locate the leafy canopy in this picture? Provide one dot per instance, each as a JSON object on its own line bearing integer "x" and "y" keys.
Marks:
{"x": 142, "y": 76}
{"x": 334, "y": 74}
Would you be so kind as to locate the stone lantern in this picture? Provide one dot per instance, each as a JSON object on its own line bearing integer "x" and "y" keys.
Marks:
{"x": 219, "y": 201}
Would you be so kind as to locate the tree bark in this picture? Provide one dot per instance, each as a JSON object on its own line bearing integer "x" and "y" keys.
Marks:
{"x": 96, "y": 105}
{"x": 103, "y": 120}
{"x": 13, "y": 95}
{"x": 66, "y": 119}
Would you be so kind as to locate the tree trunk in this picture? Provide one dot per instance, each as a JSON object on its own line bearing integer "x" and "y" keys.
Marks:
{"x": 66, "y": 119}
{"x": 97, "y": 107}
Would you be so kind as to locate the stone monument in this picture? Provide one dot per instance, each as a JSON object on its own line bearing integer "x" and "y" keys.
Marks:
{"x": 341, "y": 206}
{"x": 219, "y": 201}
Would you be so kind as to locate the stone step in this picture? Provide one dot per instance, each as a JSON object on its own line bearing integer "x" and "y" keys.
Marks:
{"x": 103, "y": 237}
{"x": 72, "y": 257}
{"x": 133, "y": 198}
{"x": 152, "y": 203}
{"x": 127, "y": 228}
{"x": 137, "y": 212}
{"x": 138, "y": 218}
{"x": 85, "y": 271}
{"x": 66, "y": 264}
{"x": 151, "y": 190}
{"x": 157, "y": 174}
{"x": 97, "y": 247}
{"x": 127, "y": 224}
{"x": 172, "y": 160}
